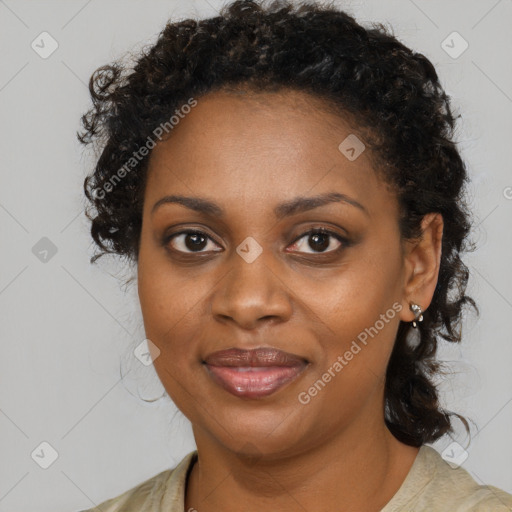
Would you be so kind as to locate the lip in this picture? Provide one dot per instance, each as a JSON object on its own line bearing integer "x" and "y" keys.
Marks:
{"x": 254, "y": 373}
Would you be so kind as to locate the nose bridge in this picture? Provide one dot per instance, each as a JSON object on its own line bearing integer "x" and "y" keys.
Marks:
{"x": 251, "y": 289}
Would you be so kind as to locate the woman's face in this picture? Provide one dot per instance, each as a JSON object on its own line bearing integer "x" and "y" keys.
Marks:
{"x": 254, "y": 277}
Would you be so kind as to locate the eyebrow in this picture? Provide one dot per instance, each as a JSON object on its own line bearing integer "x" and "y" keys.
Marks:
{"x": 292, "y": 207}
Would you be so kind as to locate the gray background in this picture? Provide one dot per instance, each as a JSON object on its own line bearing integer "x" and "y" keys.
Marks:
{"x": 67, "y": 328}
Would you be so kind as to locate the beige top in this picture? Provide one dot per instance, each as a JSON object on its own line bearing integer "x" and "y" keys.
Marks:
{"x": 431, "y": 485}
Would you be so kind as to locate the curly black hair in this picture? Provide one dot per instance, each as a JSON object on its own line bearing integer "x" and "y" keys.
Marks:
{"x": 401, "y": 112}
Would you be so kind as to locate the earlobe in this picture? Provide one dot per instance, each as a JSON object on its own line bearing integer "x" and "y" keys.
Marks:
{"x": 422, "y": 263}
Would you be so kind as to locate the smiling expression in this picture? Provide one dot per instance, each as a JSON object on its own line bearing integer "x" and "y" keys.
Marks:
{"x": 265, "y": 174}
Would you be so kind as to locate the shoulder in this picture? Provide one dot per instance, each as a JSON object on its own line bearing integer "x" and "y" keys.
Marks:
{"x": 433, "y": 484}
{"x": 140, "y": 497}
{"x": 166, "y": 487}
{"x": 456, "y": 485}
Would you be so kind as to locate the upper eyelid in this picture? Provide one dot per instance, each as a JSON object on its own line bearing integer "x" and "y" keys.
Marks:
{"x": 168, "y": 238}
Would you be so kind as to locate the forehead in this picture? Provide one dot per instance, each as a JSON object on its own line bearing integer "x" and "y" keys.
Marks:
{"x": 266, "y": 146}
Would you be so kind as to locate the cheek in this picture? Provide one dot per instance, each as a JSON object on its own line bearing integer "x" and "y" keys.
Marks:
{"x": 169, "y": 308}
{"x": 359, "y": 312}
{"x": 352, "y": 299}
{"x": 350, "y": 373}
{"x": 166, "y": 295}
{"x": 169, "y": 304}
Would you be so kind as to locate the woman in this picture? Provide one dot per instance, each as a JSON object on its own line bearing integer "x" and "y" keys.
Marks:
{"x": 286, "y": 182}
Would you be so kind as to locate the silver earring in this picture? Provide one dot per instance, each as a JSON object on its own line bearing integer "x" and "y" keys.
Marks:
{"x": 417, "y": 313}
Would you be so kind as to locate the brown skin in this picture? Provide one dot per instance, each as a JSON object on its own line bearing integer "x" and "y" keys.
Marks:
{"x": 248, "y": 155}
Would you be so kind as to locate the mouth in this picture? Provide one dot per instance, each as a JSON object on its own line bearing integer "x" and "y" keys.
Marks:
{"x": 254, "y": 373}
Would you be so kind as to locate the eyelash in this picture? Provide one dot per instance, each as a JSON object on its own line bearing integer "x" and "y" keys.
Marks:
{"x": 323, "y": 231}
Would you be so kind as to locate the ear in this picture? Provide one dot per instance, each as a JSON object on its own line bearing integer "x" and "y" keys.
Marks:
{"x": 422, "y": 258}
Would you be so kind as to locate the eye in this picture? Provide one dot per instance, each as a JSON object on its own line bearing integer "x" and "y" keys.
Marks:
{"x": 189, "y": 241}
{"x": 320, "y": 241}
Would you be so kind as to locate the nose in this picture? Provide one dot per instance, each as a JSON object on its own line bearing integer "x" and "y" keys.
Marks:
{"x": 251, "y": 293}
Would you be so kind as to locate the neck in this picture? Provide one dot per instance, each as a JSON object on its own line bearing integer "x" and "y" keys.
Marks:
{"x": 362, "y": 468}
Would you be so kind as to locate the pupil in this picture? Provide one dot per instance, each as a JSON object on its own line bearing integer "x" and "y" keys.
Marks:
{"x": 198, "y": 241}
{"x": 315, "y": 237}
